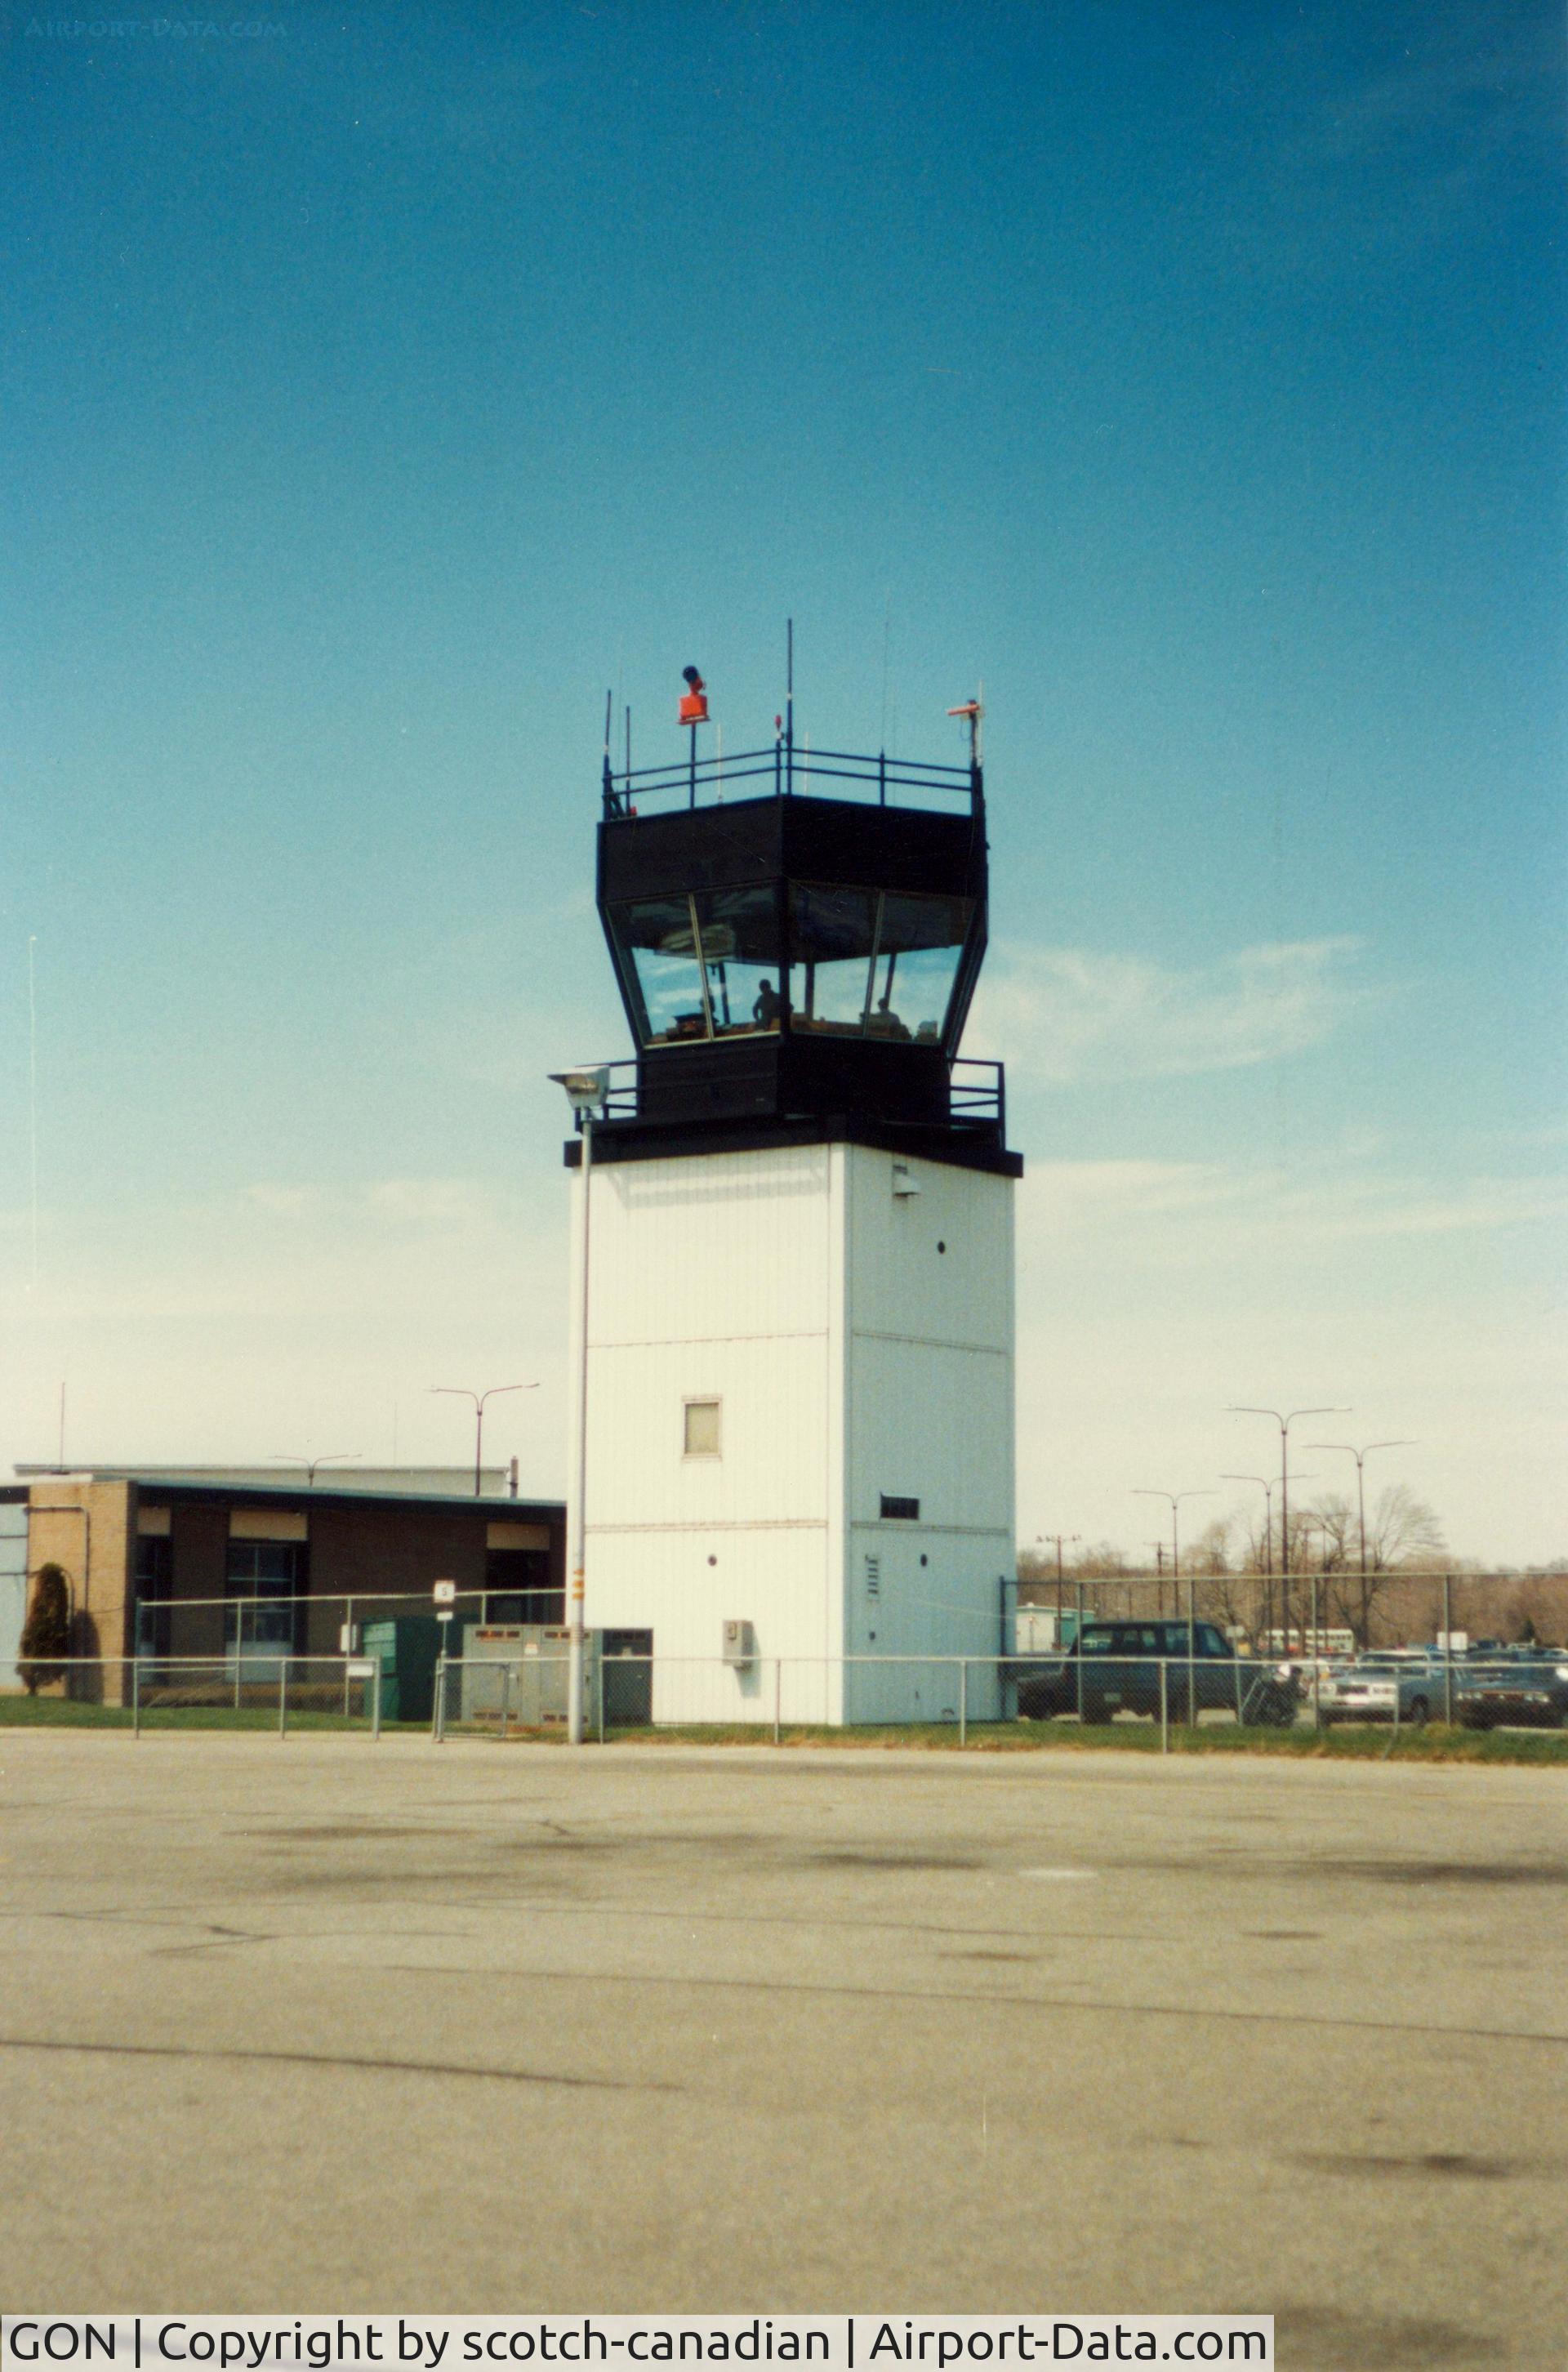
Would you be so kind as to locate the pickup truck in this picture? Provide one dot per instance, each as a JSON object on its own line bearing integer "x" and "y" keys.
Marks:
{"x": 1114, "y": 1668}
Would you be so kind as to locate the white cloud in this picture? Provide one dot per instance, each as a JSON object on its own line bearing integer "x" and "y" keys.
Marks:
{"x": 438, "y": 1203}
{"x": 1335, "y": 1204}
{"x": 1068, "y": 1014}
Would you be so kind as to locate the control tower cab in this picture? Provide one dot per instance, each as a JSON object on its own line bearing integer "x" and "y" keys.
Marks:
{"x": 796, "y": 939}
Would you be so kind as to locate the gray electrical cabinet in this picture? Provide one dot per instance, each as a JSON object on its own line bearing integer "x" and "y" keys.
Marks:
{"x": 739, "y": 1642}
{"x": 521, "y": 1669}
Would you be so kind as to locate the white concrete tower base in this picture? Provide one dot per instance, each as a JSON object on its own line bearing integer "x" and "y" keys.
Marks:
{"x": 850, "y": 1311}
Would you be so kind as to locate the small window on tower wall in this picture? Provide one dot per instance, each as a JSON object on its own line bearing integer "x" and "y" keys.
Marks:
{"x": 906, "y": 1511}
{"x": 702, "y": 1428}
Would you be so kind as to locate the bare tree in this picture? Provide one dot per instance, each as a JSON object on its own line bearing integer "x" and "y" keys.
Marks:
{"x": 1333, "y": 1520}
{"x": 1210, "y": 1552}
{"x": 1402, "y": 1531}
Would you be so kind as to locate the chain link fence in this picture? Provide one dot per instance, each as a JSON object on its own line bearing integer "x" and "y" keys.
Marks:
{"x": 253, "y": 1691}
{"x": 1333, "y": 1650}
{"x": 528, "y": 1694}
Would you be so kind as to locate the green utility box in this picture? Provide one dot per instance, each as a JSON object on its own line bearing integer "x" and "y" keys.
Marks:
{"x": 406, "y": 1650}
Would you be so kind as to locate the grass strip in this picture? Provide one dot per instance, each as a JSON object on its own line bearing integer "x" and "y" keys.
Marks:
{"x": 1344, "y": 1743}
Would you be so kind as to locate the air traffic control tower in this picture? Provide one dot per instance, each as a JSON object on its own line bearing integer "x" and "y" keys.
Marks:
{"x": 799, "y": 1302}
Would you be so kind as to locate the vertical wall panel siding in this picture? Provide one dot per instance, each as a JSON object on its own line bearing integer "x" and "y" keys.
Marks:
{"x": 851, "y": 1357}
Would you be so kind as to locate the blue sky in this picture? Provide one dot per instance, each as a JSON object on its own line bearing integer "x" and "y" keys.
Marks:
{"x": 382, "y": 387}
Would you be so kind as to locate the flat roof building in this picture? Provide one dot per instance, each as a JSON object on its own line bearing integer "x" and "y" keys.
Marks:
{"x": 215, "y": 1563}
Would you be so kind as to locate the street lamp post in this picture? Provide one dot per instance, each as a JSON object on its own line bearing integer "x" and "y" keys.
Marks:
{"x": 586, "y": 1092}
{"x": 1176, "y": 1498}
{"x": 1284, "y": 1421}
{"x": 332, "y": 1458}
{"x": 1266, "y": 1486}
{"x": 1360, "y": 1457}
{"x": 461, "y": 1392}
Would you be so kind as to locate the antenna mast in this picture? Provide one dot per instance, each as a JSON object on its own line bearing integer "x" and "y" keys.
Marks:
{"x": 974, "y": 712}
{"x": 789, "y": 686}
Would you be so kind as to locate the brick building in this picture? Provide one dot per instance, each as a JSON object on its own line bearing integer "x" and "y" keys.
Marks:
{"x": 227, "y": 1562}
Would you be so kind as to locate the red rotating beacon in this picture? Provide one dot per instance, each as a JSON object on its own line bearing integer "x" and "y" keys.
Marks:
{"x": 694, "y": 699}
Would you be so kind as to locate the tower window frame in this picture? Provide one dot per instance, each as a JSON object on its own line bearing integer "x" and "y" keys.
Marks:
{"x": 701, "y": 1426}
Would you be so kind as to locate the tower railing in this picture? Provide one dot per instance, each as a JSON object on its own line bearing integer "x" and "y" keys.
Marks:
{"x": 978, "y": 1089}
{"x": 785, "y": 770}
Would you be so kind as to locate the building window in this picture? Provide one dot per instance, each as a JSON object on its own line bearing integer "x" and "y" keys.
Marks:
{"x": 155, "y": 1586}
{"x": 702, "y": 1435}
{"x": 265, "y": 1582}
{"x": 902, "y": 1511}
{"x": 518, "y": 1588}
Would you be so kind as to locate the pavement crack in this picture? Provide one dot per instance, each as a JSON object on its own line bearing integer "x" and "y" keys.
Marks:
{"x": 332, "y": 2059}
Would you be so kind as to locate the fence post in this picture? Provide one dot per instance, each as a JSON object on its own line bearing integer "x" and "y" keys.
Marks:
{"x": 963, "y": 1701}
{"x": 505, "y": 1696}
{"x": 439, "y": 1710}
{"x": 375, "y": 1702}
{"x": 1165, "y": 1705}
{"x": 598, "y": 1674}
{"x": 283, "y": 1696}
{"x": 1449, "y": 1650}
{"x": 778, "y": 1695}
{"x": 1235, "y": 1667}
{"x": 135, "y": 1696}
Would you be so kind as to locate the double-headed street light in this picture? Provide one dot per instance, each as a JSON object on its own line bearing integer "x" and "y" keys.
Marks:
{"x": 586, "y": 1092}
{"x": 1360, "y": 1456}
{"x": 332, "y": 1458}
{"x": 461, "y": 1392}
{"x": 1284, "y": 1420}
{"x": 1176, "y": 1497}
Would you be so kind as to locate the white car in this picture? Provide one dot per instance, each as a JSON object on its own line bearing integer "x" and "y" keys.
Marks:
{"x": 1371, "y": 1689}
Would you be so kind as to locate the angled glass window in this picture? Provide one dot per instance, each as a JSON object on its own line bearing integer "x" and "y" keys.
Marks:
{"x": 831, "y": 934}
{"x": 874, "y": 963}
{"x": 739, "y": 935}
{"x": 657, "y": 939}
{"x": 919, "y": 941}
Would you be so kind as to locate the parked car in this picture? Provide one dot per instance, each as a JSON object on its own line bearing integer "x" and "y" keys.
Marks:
{"x": 1370, "y": 1689}
{"x": 1114, "y": 1668}
{"x": 1514, "y": 1690}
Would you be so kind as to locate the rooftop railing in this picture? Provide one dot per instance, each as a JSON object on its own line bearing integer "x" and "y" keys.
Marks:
{"x": 785, "y": 770}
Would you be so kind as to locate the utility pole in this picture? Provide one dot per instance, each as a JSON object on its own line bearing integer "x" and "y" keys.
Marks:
{"x": 1055, "y": 1540}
